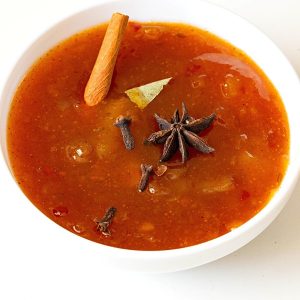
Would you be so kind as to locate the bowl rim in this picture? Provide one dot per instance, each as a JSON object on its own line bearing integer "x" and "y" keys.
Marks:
{"x": 290, "y": 178}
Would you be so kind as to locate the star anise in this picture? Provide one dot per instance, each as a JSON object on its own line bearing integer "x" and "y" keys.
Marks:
{"x": 181, "y": 132}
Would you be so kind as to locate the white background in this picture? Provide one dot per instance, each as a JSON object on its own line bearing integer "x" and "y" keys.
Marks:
{"x": 267, "y": 268}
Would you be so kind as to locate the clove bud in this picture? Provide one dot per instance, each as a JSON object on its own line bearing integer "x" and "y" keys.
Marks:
{"x": 104, "y": 223}
{"x": 146, "y": 172}
{"x": 123, "y": 123}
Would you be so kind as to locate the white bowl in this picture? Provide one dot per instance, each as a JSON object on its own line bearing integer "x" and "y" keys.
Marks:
{"x": 204, "y": 15}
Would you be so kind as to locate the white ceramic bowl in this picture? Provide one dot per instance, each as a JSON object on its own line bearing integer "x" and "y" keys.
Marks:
{"x": 216, "y": 20}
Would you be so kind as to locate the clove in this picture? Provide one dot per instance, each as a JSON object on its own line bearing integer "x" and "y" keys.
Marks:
{"x": 146, "y": 172}
{"x": 123, "y": 123}
{"x": 104, "y": 223}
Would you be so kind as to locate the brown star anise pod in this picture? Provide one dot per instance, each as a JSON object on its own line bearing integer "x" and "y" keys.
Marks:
{"x": 179, "y": 133}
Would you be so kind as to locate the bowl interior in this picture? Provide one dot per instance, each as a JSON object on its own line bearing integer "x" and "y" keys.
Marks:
{"x": 222, "y": 23}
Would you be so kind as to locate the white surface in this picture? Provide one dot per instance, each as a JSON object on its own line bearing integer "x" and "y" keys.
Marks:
{"x": 267, "y": 268}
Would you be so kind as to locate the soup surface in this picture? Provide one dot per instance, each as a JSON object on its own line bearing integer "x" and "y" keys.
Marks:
{"x": 70, "y": 160}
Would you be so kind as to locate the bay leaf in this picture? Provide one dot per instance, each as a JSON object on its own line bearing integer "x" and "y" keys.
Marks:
{"x": 144, "y": 94}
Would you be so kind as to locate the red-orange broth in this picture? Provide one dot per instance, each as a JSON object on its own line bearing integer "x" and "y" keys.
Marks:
{"x": 189, "y": 204}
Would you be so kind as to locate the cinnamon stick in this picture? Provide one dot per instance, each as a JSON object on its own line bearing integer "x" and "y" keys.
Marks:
{"x": 100, "y": 78}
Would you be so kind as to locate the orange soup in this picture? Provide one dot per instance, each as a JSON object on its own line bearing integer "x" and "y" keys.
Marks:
{"x": 71, "y": 162}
